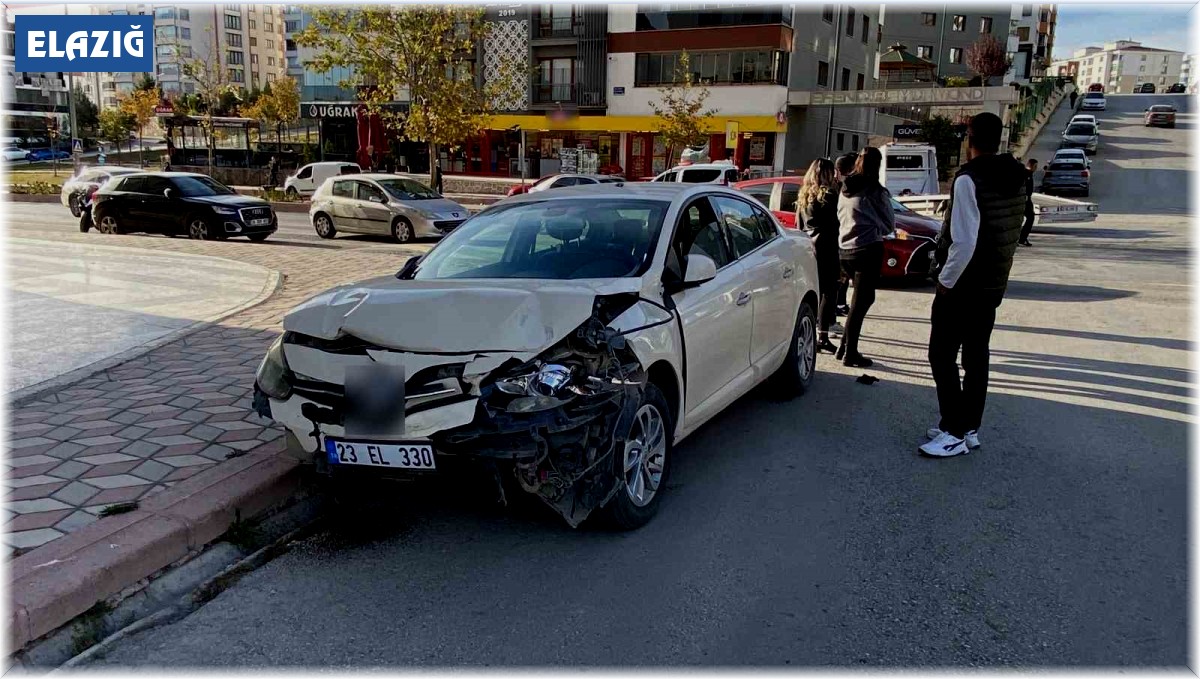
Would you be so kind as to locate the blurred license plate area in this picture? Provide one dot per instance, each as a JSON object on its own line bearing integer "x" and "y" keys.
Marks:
{"x": 372, "y": 454}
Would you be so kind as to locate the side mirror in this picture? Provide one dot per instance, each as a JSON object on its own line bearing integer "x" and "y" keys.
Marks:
{"x": 169, "y": 194}
{"x": 410, "y": 267}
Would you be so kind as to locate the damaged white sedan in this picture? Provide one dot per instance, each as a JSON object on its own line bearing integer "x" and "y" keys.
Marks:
{"x": 562, "y": 342}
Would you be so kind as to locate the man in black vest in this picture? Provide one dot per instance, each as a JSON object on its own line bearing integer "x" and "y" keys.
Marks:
{"x": 975, "y": 249}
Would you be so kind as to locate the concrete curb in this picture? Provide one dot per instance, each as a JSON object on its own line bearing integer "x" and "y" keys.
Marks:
{"x": 33, "y": 391}
{"x": 53, "y": 584}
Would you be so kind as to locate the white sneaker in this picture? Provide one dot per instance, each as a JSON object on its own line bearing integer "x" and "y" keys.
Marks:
{"x": 945, "y": 445}
{"x": 972, "y": 437}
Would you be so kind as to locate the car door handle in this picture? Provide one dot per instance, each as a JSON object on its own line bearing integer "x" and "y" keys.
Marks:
{"x": 787, "y": 273}
{"x": 743, "y": 299}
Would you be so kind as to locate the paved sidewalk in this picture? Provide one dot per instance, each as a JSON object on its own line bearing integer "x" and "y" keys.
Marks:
{"x": 133, "y": 430}
{"x": 76, "y": 305}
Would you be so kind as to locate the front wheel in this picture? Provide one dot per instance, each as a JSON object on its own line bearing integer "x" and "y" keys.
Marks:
{"x": 402, "y": 230}
{"x": 200, "y": 229}
{"x": 324, "y": 227}
{"x": 642, "y": 463}
{"x": 795, "y": 376}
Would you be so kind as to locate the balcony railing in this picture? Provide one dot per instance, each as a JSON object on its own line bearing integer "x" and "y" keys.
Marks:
{"x": 565, "y": 93}
{"x": 559, "y": 27}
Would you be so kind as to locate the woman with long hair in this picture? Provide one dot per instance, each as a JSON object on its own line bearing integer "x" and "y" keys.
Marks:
{"x": 816, "y": 213}
{"x": 866, "y": 217}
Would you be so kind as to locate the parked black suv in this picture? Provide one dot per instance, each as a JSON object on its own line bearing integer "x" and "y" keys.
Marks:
{"x": 1177, "y": 88}
{"x": 178, "y": 204}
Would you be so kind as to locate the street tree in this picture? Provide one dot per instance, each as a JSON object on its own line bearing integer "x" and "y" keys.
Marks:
{"x": 115, "y": 126}
{"x": 139, "y": 105}
{"x": 417, "y": 53}
{"x": 213, "y": 86}
{"x": 938, "y": 131}
{"x": 87, "y": 116}
{"x": 987, "y": 58}
{"x": 680, "y": 109}
{"x": 277, "y": 107}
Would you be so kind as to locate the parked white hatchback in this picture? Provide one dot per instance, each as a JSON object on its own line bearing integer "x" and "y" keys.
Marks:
{"x": 559, "y": 343}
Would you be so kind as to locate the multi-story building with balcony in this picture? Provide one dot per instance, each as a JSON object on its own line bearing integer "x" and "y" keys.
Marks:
{"x": 1031, "y": 41}
{"x": 1122, "y": 66}
{"x": 942, "y": 35}
{"x": 33, "y": 102}
{"x": 1187, "y": 72}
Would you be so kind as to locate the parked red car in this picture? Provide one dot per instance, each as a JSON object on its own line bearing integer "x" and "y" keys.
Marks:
{"x": 908, "y": 255}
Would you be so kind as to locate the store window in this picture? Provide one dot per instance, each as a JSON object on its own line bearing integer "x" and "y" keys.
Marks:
{"x": 739, "y": 67}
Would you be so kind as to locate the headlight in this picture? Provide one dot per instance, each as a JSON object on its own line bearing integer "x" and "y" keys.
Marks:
{"x": 274, "y": 376}
{"x": 225, "y": 210}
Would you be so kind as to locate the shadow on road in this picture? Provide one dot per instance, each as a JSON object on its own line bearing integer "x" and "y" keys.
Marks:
{"x": 1160, "y": 342}
{"x": 1062, "y": 292}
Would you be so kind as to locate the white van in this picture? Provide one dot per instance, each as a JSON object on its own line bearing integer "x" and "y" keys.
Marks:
{"x": 910, "y": 168}
{"x": 700, "y": 173}
{"x": 308, "y": 178}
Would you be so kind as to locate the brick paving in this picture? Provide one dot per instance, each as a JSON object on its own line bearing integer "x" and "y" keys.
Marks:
{"x": 137, "y": 428}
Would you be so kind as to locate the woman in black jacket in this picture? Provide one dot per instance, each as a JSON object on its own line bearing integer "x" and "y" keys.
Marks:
{"x": 866, "y": 216}
{"x": 816, "y": 213}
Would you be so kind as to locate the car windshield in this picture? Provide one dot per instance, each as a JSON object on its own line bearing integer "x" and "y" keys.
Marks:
{"x": 1094, "y": 95}
{"x": 201, "y": 186}
{"x": 560, "y": 239}
{"x": 898, "y": 207}
{"x": 1081, "y": 130}
{"x": 407, "y": 189}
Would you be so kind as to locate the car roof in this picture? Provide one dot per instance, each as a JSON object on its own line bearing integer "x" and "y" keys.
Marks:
{"x": 661, "y": 191}
{"x": 372, "y": 175}
{"x": 791, "y": 179}
{"x": 726, "y": 165}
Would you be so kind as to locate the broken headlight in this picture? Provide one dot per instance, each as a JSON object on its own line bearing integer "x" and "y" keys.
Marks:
{"x": 540, "y": 387}
{"x": 274, "y": 376}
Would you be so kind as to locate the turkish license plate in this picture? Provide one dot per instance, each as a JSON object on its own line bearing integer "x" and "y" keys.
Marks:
{"x": 259, "y": 222}
{"x": 371, "y": 454}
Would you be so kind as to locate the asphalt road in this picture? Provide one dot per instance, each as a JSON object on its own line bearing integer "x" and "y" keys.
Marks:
{"x": 809, "y": 533}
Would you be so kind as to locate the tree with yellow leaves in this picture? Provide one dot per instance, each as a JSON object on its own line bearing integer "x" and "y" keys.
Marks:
{"x": 139, "y": 106}
{"x": 277, "y": 106}
{"x": 680, "y": 110}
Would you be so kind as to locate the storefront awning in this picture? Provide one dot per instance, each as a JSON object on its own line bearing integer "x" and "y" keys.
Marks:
{"x": 610, "y": 123}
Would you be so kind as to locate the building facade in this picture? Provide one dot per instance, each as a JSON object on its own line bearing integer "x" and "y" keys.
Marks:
{"x": 942, "y": 35}
{"x": 1122, "y": 66}
{"x": 1031, "y": 41}
{"x": 836, "y": 47}
{"x": 1187, "y": 72}
{"x": 33, "y": 102}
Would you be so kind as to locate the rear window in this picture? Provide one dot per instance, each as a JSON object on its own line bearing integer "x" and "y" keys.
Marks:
{"x": 1081, "y": 129}
{"x": 700, "y": 176}
{"x": 1067, "y": 166}
{"x": 1162, "y": 109}
{"x": 905, "y": 162}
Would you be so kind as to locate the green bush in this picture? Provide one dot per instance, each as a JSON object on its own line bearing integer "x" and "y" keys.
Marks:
{"x": 957, "y": 81}
{"x": 277, "y": 196}
{"x": 37, "y": 189}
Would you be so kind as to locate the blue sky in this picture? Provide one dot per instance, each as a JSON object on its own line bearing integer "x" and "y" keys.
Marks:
{"x": 1154, "y": 25}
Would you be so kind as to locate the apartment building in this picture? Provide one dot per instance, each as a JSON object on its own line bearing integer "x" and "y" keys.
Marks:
{"x": 836, "y": 47}
{"x": 1031, "y": 41}
{"x": 1124, "y": 65}
{"x": 1188, "y": 74}
{"x": 31, "y": 101}
{"x": 942, "y": 35}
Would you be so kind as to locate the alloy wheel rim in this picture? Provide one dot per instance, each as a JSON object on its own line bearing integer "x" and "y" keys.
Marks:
{"x": 323, "y": 226}
{"x": 645, "y": 455}
{"x": 198, "y": 230}
{"x": 108, "y": 225}
{"x": 807, "y": 347}
{"x": 403, "y": 232}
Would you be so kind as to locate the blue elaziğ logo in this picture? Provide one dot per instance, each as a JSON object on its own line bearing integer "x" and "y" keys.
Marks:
{"x": 84, "y": 44}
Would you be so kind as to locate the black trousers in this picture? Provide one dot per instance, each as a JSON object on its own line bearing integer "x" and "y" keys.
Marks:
{"x": 1027, "y": 228}
{"x": 829, "y": 274}
{"x": 961, "y": 320}
{"x": 863, "y": 267}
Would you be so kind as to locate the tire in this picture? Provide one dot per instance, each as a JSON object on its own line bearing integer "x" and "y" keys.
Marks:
{"x": 795, "y": 376}
{"x": 199, "y": 228}
{"x": 85, "y": 222}
{"x": 108, "y": 225}
{"x": 629, "y": 509}
{"x": 326, "y": 229}
{"x": 258, "y": 237}
{"x": 402, "y": 230}
{"x": 292, "y": 192}
{"x": 73, "y": 201}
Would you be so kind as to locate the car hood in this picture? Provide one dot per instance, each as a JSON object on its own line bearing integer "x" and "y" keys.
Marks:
{"x": 493, "y": 315}
{"x": 233, "y": 200}
{"x": 919, "y": 225}
{"x": 441, "y": 207}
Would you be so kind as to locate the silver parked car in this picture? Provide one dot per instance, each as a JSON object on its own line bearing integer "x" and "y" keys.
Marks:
{"x": 1081, "y": 136}
{"x": 383, "y": 204}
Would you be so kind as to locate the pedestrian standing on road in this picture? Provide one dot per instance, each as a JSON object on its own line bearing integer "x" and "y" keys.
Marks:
{"x": 1074, "y": 96}
{"x": 273, "y": 171}
{"x": 866, "y": 216}
{"x": 1027, "y": 228}
{"x": 816, "y": 213}
{"x": 844, "y": 167}
{"x": 437, "y": 176}
{"x": 975, "y": 250}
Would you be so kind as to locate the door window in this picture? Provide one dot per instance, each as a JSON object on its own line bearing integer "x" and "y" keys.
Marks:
{"x": 370, "y": 193}
{"x": 305, "y": 173}
{"x": 700, "y": 232}
{"x": 700, "y": 176}
{"x": 563, "y": 181}
{"x": 132, "y": 185}
{"x": 746, "y": 229}
{"x": 156, "y": 185}
{"x": 343, "y": 189}
{"x": 731, "y": 175}
{"x": 667, "y": 177}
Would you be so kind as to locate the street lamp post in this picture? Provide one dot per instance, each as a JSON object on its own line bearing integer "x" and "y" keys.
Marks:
{"x": 74, "y": 129}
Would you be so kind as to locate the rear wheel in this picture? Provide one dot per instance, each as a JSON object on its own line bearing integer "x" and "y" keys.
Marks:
{"x": 292, "y": 192}
{"x": 795, "y": 376}
{"x": 76, "y": 211}
{"x": 108, "y": 225}
{"x": 323, "y": 225}
{"x": 642, "y": 463}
